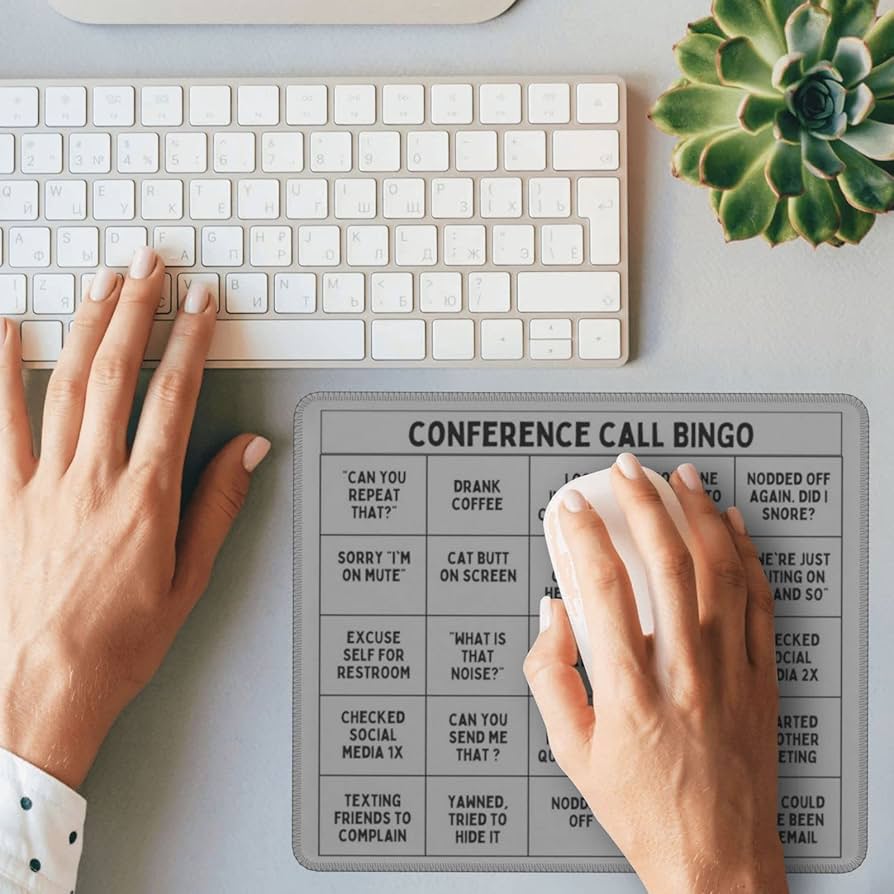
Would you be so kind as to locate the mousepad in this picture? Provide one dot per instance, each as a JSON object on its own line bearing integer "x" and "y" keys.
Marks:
{"x": 419, "y": 566}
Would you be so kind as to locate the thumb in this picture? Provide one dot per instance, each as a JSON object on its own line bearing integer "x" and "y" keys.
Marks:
{"x": 214, "y": 507}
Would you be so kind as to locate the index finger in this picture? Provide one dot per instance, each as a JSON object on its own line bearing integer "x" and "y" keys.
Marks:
{"x": 170, "y": 405}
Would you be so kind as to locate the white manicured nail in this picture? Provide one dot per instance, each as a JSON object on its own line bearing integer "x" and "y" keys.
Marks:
{"x": 690, "y": 477}
{"x": 255, "y": 454}
{"x": 629, "y": 466}
{"x": 142, "y": 263}
{"x": 574, "y": 501}
{"x": 196, "y": 298}
{"x": 546, "y": 613}
{"x": 104, "y": 282}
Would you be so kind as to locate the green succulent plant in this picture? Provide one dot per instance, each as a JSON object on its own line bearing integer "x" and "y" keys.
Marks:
{"x": 786, "y": 112}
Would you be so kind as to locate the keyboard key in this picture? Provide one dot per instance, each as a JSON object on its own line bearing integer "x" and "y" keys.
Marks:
{"x": 452, "y": 197}
{"x": 513, "y": 246}
{"x": 209, "y": 200}
{"x": 569, "y": 292}
{"x": 186, "y": 153}
{"x": 18, "y": 106}
{"x": 29, "y": 247}
{"x": 453, "y": 339}
{"x": 367, "y": 246}
{"x": 209, "y": 105}
{"x": 499, "y": 104}
{"x": 137, "y": 153}
{"x": 392, "y": 293}
{"x": 176, "y": 245}
{"x": 307, "y": 199}
{"x": 379, "y": 151}
{"x": 319, "y": 246}
{"x": 428, "y": 150}
{"x": 501, "y": 339}
{"x": 114, "y": 199}
{"x": 18, "y": 200}
{"x": 355, "y": 199}
{"x": 398, "y": 339}
{"x": 161, "y": 106}
{"x": 330, "y": 152}
{"x": 598, "y": 103}
{"x": 282, "y": 152}
{"x": 586, "y": 150}
{"x": 355, "y": 104}
{"x": 222, "y": 246}
{"x": 403, "y": 198}
{"x": 258, "y": 200}
{"x": 489, "y": 293}
{"x": 247, "y": 293}
{"x": 41, "y": 340}
{"x": 562, "y": 244}
{"x": 122, "y": 242}
{"x": 42, "y": 153}
{"x": 451, "y": 104}
{"x": 77, "y": 247}
{"x": 113, "y": 106}
{"x": 13, "y": 289}
{"x": 550, "y": 349}
{"x": 90, "y": 153}
{"x": 53, "y": 293}
{"x": 234, "y": 153}
{"x": 403, "y": 104}
{"x": 65, "y": 200}
{"x": 476, "y": 150}
{"x": 500, "y": 197}
{"x": 416, "y": 246}
{"x": 276, "y": 340}
{"x": 599, "y": 339}
{"x": 599, "y": 201}
{"x": 211, "y": 281}
{"x": 258, "y": 104}
{"x": 549, "y": 197}
{"x": 549, "y": 104}
{"x": 306, "y": 104}
{"x": 524, "y": 150}
{"x": 295, "y": 293}
{"x": 7, "y": 153}
{"x": 440, "y": 293}
{"x": 464, "y": 246}
{"x": 270, "y": 246}
{"x": 549, "y": 329}
{"x": 162, "y": 199}
{"x": 343, "y": 293}
{"x": 65, "y": 106}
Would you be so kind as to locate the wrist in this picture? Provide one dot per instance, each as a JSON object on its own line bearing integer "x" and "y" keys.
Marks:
{"x": 44, "y": 719}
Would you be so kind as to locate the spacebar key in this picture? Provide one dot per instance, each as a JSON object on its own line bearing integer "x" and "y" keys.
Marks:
{"x": 275, "y": 340}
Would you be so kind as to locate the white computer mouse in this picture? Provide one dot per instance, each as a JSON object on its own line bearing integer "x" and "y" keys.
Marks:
{"x": 598, "y": 490}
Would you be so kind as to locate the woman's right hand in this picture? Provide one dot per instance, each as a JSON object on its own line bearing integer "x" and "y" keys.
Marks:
{"x": 677, "y": 755}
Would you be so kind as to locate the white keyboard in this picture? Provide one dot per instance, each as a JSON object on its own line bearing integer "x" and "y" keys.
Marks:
{"x": 352, "y": 222}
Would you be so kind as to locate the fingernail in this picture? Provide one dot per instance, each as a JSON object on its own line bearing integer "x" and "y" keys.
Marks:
{"x": 629, "y": 466}
{"x": 104, "y": 282}
{"x": 142, "y": 263}
{"x": 736, "y": 520}
{"x": 690, "y": 477}
{"x": 574, "y": 501}
{"x": 196, "y": 298}
{"x": 546, "y": 613}
{"x": 255, "y": 453}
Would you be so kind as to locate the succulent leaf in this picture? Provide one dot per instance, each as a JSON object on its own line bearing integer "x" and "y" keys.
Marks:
{"x": 697, "y": 57}
{"x": 880, "y": 38}
{"x": 818, "y": 103}
{"x": 782, "y": 9}
{"x": 859, "y": 104}
{"x": 780, "y": 229}
{"x": 752, "y": 20}
{"x": 746, "y": 210}
{"x": 728, "y": 157}
{"x": 849, "y": 18}
{"x": 716, "y": 196}
{"x": 686, "y": 157}
{"x": 814, "y": 214}
{"x": 805, "y": 31}
{"x": 756, "y": 112}
{"x": 788, "y": 70}
{"x": 787, "y": 128}
{"x": 884, "y": 111}
{"x": 819, "y": 157}
{"x": 855, "y": 224}
{"x": 881, "y": 79}
{"x": 785, "y": 170}
{"x": 695, "y": 108}
{"x": 864, "y": 184}
{"x": 706, "y": 25}
{"x": 873, "y": 139}
{"x": 740, "y": 65}
{"x": 853, "y": 59}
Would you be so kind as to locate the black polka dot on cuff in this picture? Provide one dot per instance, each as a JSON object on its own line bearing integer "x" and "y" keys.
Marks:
{"x": 26, "y": 803}
{"x": 73, "y": 838}
{"x": 35, "y": 865}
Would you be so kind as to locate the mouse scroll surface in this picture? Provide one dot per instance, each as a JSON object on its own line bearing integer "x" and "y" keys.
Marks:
{"x": 599, "y": 493}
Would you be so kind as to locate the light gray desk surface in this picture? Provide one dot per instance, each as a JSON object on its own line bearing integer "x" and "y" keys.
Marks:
{"x": 192, "y": 792}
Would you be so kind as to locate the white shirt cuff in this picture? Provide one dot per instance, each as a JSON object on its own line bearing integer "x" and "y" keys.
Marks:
{"x": 41, "y": 830}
